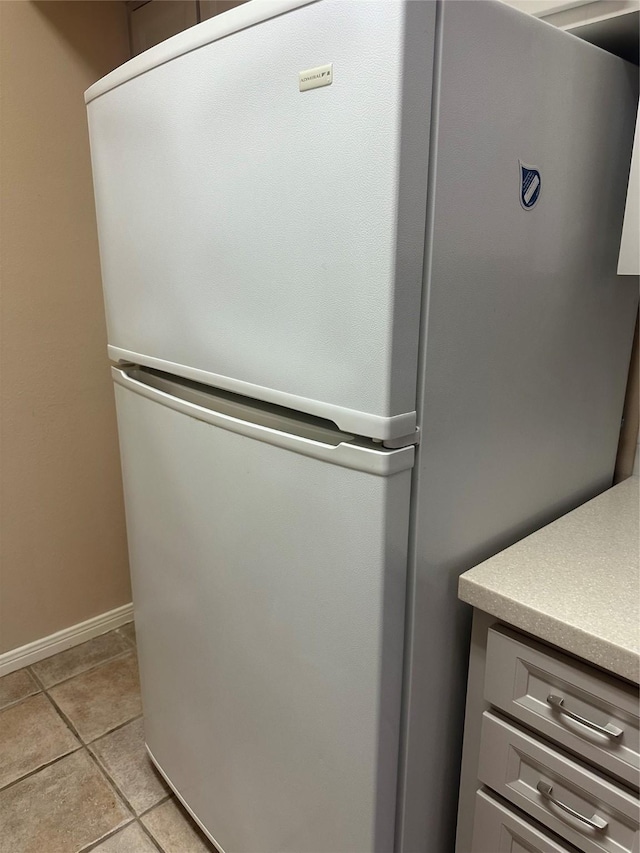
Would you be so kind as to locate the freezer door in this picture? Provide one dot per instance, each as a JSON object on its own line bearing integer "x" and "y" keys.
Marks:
{"x": 269, "y": 597}
{"x": 268, "y": 240}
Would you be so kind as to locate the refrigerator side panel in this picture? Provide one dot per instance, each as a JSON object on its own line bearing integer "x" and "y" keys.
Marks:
{"x": 269, "y": 240}
{"x": 526, "y": 340}
{"x": 269, "y": 592}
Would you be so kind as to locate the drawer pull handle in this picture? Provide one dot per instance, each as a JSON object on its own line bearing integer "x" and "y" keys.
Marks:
{"x": 609, "y": 730}
{"x": 594, "y": 822}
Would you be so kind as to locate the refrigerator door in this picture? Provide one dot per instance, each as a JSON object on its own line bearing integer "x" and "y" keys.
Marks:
{"x": 269, "y": 592}
{"x": 268, "y": 240}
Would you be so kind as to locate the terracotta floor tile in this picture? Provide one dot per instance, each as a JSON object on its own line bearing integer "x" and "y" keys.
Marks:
{"x": 128, "y": 631}
{"x": 98, "y": 701}
{"x": 60, "y": 809}
{"x": 16, "y": 686}
{"x": 80, "y": 658}
{"x": 174, "y": 830}
{"x": 122, "y": 753}
{"x": 131, "y": 839}
{"x": 31, "y": 735}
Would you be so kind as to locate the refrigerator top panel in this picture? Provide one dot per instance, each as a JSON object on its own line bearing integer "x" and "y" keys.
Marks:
{"x": 265, "y": 237}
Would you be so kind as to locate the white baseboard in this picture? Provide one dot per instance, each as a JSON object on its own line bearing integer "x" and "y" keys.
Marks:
{"x": 65, "y": 639}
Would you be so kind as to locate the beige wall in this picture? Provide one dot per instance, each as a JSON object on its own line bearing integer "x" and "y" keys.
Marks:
{"x": 62, "y": 535}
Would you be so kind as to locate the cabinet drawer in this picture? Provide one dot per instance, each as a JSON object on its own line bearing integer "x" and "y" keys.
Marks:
{"x": 497, "y": 829}
{"x": 547, "y": 690}
{"x": 517, "y": 766}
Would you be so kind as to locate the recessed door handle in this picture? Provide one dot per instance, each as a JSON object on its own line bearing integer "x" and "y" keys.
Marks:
{"x": 594, "y": 822}
{"x": 609, "y": 730}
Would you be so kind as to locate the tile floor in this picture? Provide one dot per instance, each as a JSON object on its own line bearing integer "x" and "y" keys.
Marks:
{"x": 74, "y": 773}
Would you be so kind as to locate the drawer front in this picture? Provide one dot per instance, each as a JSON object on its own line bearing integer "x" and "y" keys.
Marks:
{"x": 497, "y": 829}
{"x": 547, "y": 691}
{"x": 518, "y": 767}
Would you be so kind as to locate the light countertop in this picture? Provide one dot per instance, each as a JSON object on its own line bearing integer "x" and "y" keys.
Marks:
{"x": 574, "y": 583}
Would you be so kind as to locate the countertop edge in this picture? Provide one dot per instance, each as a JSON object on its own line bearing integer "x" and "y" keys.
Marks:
{"x": 596, "y": 650}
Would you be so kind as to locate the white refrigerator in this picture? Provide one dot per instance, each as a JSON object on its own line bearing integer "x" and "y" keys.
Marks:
{"x": 359, "y": 266}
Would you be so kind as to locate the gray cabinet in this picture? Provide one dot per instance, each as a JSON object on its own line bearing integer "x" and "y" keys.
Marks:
{"x": 572, "y": 14}
{"x": 499, "y": 829}
{"x": 594, "y": 716}
{"x": 551, "y": 755}
{"x": 154, "y": 21}
{"x": 582, "y": 806}
{"x": 158, "y": 20}
{"x": 209, "y": 8}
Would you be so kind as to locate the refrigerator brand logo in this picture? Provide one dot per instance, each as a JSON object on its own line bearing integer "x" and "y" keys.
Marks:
{"x": 530, "y": 184}
{"x": 313, "y": 78}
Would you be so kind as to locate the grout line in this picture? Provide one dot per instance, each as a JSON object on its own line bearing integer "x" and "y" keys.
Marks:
{"x": 19, "y": 701}
{"x": 73, "y": 729}
{"x": 87, "y": 747}
{"x": 70, "y": 725}
{"x": 64, "y": 717}
{"x": 111, "y": 782}
{"x": 119, "y": 790}
{"x": 147, "y": 831}
{"x": 38, "y": 769}
{"x": 93, "y": 844}
{"x": 102, "y": 663}
{"x": 189, "y": 819}
{"x": 136, "y": 817}
{"x": 35, "y": 678}
{"x": 115, "y": 728}
{"x": 155, "y": 805}
{"x": 41, "y": 767}
{"x": 26, "y": 696}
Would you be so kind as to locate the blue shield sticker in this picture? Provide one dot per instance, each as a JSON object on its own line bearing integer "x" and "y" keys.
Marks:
{"x": 530, "y": 184}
